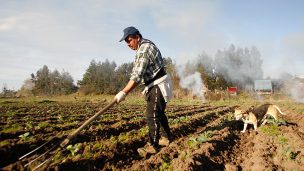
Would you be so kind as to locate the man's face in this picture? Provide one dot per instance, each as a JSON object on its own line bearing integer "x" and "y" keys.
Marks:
{"x": 133, "y": 42}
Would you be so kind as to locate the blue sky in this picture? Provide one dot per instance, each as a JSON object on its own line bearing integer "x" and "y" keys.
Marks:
{"x": 67, "y": 35}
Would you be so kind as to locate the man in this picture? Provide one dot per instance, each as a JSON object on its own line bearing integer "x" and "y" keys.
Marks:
{"x": 148, "y": 69}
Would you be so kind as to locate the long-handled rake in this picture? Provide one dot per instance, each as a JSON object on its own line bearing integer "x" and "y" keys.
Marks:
{"x": 52, "y": 151}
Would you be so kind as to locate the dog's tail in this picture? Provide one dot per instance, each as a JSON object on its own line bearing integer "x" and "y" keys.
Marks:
{"x": 279, "y": 109}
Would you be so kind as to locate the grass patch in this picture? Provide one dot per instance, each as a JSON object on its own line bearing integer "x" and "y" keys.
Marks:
{"x": 271, "y": 130}
{"x": 282, "y": 140}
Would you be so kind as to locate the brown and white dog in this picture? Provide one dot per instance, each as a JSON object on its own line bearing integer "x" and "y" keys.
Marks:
{"x": 257, "y": 115}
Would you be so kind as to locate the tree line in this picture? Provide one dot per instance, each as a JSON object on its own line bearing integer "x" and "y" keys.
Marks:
{"x": 229, "y": 67}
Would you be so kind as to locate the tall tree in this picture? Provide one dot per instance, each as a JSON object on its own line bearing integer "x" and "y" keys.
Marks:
{"x": 100, "y": 78}
{"x": 52, "y": 83}
{"x": 42, "y": 81}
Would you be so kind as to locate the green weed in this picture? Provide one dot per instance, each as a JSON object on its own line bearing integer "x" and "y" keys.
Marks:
{"x": 282, "y": 140}
{"x": 183, "y": 155}
{"x": 166, "y": 162}
{"x": 277, "y": 122}
{"x": 271, "y": 130}
{"x": 290, "y": 154}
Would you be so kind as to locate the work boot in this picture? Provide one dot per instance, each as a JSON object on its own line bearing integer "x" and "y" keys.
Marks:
{"x": 147, "y": 149}
{"x": 163, "y": 141}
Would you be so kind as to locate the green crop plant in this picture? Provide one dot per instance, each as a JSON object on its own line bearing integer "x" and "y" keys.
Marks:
{"x": 4, "y": 143}
{"x": 58, "y": 157}
{"x": 113, "y": 139}
{"x": 137, "y": 118}
{"x": 11, "y": 113}
{"x": 227, "y": 119}
{"x": 179, "y": 120}
{"x": 99, "y": 147}
{"x": 204, "y": 137}
{"x": 192, "y": 142}
{"x": 123, "y": 137}
{"x": 29, "y": 125}
{"x": 195, "y": 141}
{"x": 60, "y": 118}
{"x": 230, "y": 117}
{"x": 26, "y": 137}
{"x": 42, "y": 125}
{"x": 12, "y": 128}
{"x": 74, "y": 148}
{"x": 143, "y": 131}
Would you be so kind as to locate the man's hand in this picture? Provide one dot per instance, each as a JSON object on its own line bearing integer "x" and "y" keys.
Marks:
{"x": 120, "y": 96}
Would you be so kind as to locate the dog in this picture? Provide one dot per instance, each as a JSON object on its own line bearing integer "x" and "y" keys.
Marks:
{"x": 257, "y": 115}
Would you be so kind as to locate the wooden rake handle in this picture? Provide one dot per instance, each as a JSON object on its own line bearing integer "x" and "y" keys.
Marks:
{"x": 72, "y": 135}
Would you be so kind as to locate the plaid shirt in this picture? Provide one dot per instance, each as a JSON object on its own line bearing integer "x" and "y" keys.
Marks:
{"x": 148, "y": 61}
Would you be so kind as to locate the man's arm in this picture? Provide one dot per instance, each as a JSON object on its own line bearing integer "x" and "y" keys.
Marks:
{"x": 130, "y": 86}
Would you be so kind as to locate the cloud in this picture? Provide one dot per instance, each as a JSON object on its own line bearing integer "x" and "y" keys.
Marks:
{"x": 184, "y": 19}
{"x": 9, "y": 23}
{"x": 69, "y": 34}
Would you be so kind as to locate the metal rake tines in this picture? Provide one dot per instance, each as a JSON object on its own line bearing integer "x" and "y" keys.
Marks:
{"x": 44, "y": 156}
{"x": 50, "y": 153}
{"x": 47, "y": 161}
{"x": 36, "y": 149}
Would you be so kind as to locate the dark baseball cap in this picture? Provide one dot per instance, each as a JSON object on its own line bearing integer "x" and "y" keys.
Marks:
{"x": 129, "y": 31}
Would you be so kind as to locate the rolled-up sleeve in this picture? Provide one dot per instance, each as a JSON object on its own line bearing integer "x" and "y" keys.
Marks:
{"x": 139, "y": 67}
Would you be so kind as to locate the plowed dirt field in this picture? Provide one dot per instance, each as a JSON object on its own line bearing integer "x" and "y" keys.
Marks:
{"x": 206, "y": 137}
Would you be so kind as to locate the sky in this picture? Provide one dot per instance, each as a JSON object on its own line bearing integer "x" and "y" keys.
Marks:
{"x": 68, "y": 35}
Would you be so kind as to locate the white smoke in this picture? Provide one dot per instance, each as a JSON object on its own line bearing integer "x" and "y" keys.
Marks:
{"x": 297, "y": 91}
{"x": 191, "y": 81}
{"x": 239, "y": 64}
